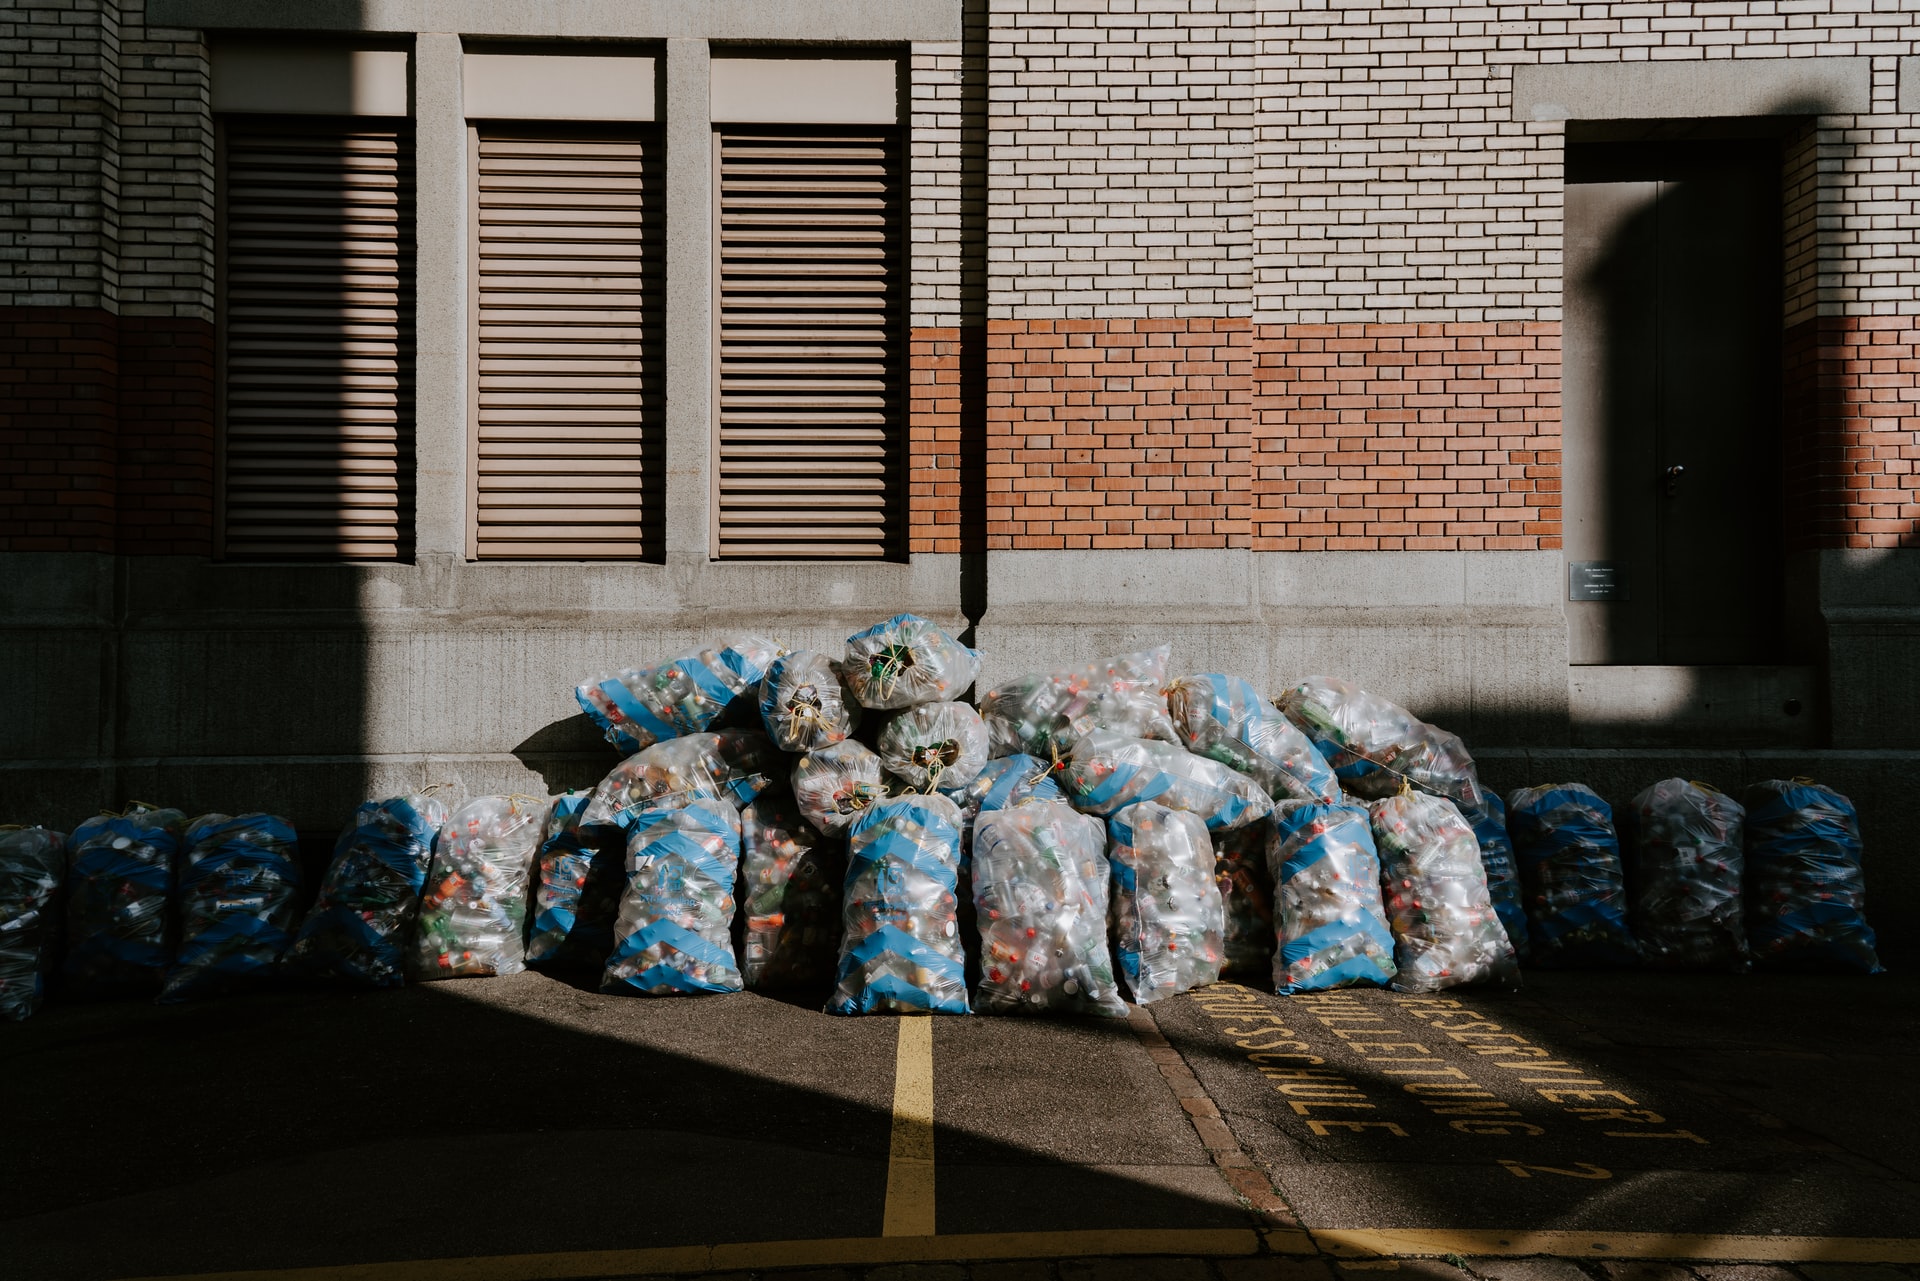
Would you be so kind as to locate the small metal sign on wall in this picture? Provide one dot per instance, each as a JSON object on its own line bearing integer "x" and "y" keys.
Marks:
{"x": 1597, "y": 580}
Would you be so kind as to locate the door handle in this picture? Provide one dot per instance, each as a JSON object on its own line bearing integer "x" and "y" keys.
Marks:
{"x": 1674, "y": 473}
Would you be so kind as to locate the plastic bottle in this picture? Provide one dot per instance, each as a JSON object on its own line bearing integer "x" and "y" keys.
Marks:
{"x": 1169, "y": 924}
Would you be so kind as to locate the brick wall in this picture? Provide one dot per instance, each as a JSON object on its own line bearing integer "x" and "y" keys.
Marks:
{"x": 59, "y": 379}
{"x": 165, "y": 447}
{"x": 934, "y": 480}
{"x": 1853, "y": 432}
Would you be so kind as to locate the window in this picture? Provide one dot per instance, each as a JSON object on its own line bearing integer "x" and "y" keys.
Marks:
{"x": 811, "y": 430}
{"x": 317, "y": 278}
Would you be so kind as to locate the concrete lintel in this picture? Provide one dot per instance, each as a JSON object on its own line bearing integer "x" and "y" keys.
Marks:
{"x": 1372, "y": 580}
{"x": 1691, "y": 90}
{"x": 1068, "y": 580}
{"x": 509, "y": 86}
{"x": 441, "y": 428}
{"x": 794, "y": 21}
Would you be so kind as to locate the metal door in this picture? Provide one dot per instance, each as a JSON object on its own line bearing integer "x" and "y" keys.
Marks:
{"x": 1672, "y": 403}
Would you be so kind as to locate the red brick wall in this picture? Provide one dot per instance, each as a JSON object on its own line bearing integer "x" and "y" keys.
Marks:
{"x": 106, "y": 432}
{"x": 1853, "y": 432}
{"x": 1378, "y": 437}
{"x": 1117, "y": 433}
{"x": 933, "y": 483}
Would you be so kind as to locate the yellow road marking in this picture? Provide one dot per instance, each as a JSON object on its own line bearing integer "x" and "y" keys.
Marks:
{"x": 1718, "y": 1247}
{"x": 910, "y": 1157}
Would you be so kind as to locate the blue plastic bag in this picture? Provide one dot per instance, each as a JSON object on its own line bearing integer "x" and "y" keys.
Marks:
{"x": 1806, "y": 894}
{"x": 673, "y": 936}
{"x": 1328, "y": 916}
{"x": 1445, "y": 931}
{"x": 1108, "y": 772}
{"x": 803, "y": 703}
{"x": 1224, "y": 718}
{"x": 900, "y": 949}
{"x": 1489, "y": 819}
{"x": 239, "y": 901}
{"x": 1169, "y": 924}
{"x": 578, "y": 877}
{"x": 1684, "y": 839}
{"x": 907, "y": 660}
{"x": 358, "y": 927}
{"x": 1571, "y": 873}
{"x": 638, "y": 707}
{"x": 33, "y": 863}
{"x": 119, "y": 885}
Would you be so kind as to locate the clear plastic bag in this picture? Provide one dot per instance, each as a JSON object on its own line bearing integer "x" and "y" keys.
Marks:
{"x": 907, "y": 660}
{"x": 579, "y": 875}
{"x": 931, "y": 745}
{"x": 673, "y": 936}
{"x": 1223, "y": 718}
{"x": 1109, "y": 772}
{"x": 1571, "y": 876}
{"x": 1445, "y": 931}
{"x": 1685, "y": 842}
{"x": 33, "y": 863}
{"x": 1330, "y": 923}
{"x": 900, "y": 946}
{"x": 120, "y": 876}
{"x": 239, "y": 902}
{"x": 1040, "y": 894}
{"x": 1169, "y": 925}
{"x": 734, "y": 765}
{"x": 1373, "y": 744}
{"x": 358, "y": 927}
{"x": 473, "y": 913}
{"x": 836, "y": 785}
{"x": 790, "y": 932}
{"x": 1489, "y": 820}
{"x": 1246, "y": 890}
{"x": 1045, "y": 713}
{"x": 803, "y": 703}
{"x": 638, "y": 707}
{"x": 1806, "y": 892}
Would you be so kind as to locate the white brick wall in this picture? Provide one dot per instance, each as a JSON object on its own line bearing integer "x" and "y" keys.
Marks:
{"x": 934, "y": 149}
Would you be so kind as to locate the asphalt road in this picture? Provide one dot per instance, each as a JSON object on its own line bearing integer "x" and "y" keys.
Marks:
{"x": 490, "y": 1117}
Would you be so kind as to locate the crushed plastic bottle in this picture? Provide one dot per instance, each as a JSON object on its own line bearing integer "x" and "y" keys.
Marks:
{"x": 636, "y": 708}
{"x": 1373, "y": 743}
{"x": 1040, "y": 894}
{"x": 1169, "y": 924}
{"x": 579, "y": 875}
{"x": 1571, "y": 876}
{"x": 1223, "y": 718}
{"x": 1445, "y": 931}
{"x": 1685, "y": 841}
{"x": 803, "y": 703}
{"x": 934, "y": 745}
{"x": 358, "y": 927}
{"x": 120, "y": 877}
{"x": 673, "y": 937}
{"x": 1806, "y": 891}
{"x": 1246, "y": 890}
{"x": 1110, "y": 771}
{"x": 790, "y": 931}
{"x": 1329, "y": 921}
{"x": 33, "y": 863}
{"x": 1044, "y": 714}
{"x": 473, "y": 912}
{"x": 1489, "y": 819}
{"x": 836, "y": 785}
{"x": 907, "y": 660}
{"x": 239, "y": 902}
{"x": 734, "y": 765}
{"x": 900, "y": 946}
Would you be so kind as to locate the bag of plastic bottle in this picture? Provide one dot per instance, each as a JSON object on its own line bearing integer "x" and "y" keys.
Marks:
{"x": 792, "y": 878}
{"x": 579, "y": 875}
{"x": 33, "y": 863}
{"x": 1571, "y": 876}
{"x": 1806, "y": 892}
{"x": 931, "y": 745}
{"x": 1685, "y": 840}
{"x": 900, "y": 946}
{"x": 1329, "y": 921}
{"x": 673, "y": 937}
{"x": 1373, "y": 744}
{"x": 1223, "y": 718}
{"x": 1109, "y": 772}
{"x": 836, "y": 785}
{"x": 734, "y": 765}
{"x": 358, "y": 928}
{"x": 1040, "y": 894}
{"x": 120, "y": 876}
{"x": 907, "y": 660}
{"x": 1003, "y": 782}
{"x": 473, "y": 913}
{"x": 1169, "y": 924}
{"x": 1044, "y": 714}
{"x": 1489, "y": 820}
{"x": 1246, "y": 890}
{"x": 1445, "y": 931}
{"x": 239, "y": 903}
{"x": 803, "y": 703}
{"x": 637, "y": 708}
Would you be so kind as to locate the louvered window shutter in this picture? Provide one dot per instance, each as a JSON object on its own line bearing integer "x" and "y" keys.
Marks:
{"x": 317, "y": 339}
{"x": 571, "y": 300}
{"x": 810, "y": 446}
